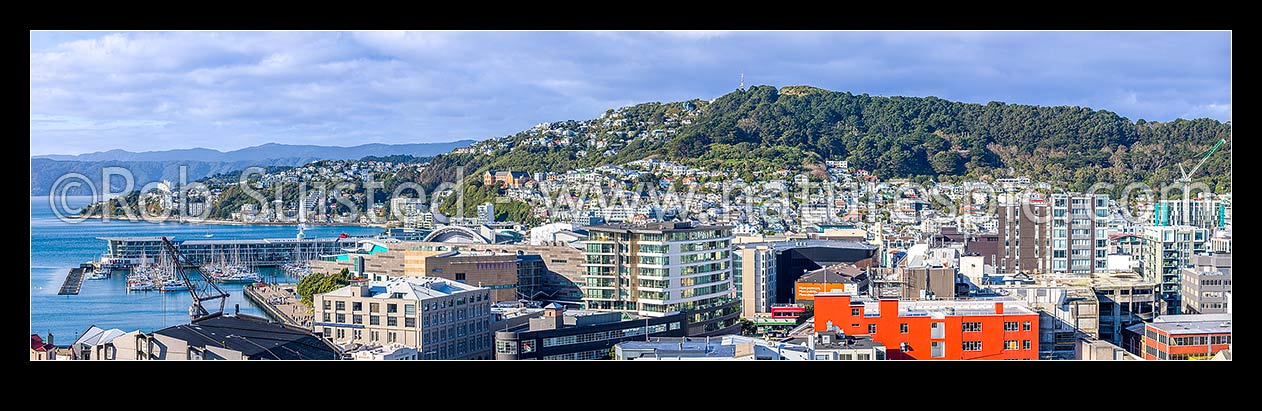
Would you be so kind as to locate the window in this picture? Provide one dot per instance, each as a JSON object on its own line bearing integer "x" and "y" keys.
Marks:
{"x": 1025, "y": 344}
{"x": 327, "y": 304}
{"x": 374, "y": 320}
{"x": 871, "y": 328}
{"x": 1025, "y": 326}
{"x": 937, "y": 349}
{"x": 845, "y": 357}
{"x": 409, "y": 309}
{"x": 376, "y": 336}
{"x": 902, "y": 328}
{"x": 357, "y": 334}
{"x": 972, "y": 346}
{"x": 527, "y": 346}
{"x": 341, "y": 318}
{"x": 972, "y": 327}
{"x": 327, "y": 317}
{"x": 357, "y": 306}
{"x": 341, "y": 333}
{"x": 328, "y": 331}
{"x": 854, "y": 311}
{"x": 357, "y": 319}
{"x": 392, "y": 308}
{"x": 1010, "y": 344}
{"x": 392, "y": 336}
{"x": 460, "y": 277}
{"x": 864, "y": 357}
{"x": 392, "y": 321}
{"x": 409, "y": 322}
{"x": 341, "y": 305}
{"x": 374, "y": 307}
{"x": 1010, "y": 326}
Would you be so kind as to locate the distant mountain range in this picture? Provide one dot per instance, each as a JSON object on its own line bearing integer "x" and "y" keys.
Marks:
{"x": 165, "y": 165}
{"x": 268, "y": 151}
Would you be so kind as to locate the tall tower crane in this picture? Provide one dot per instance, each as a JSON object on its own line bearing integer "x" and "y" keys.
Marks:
{"x": 1187, "y": 180}
{"x": 200, "y": 296}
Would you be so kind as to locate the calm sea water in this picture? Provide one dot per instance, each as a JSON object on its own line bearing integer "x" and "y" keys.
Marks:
{"x": 57, "y": 246}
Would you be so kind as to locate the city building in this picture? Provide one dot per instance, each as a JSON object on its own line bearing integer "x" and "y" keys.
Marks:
{"x": 1207, "y": 213}
{"x": 389, "y": 352}
{"x": 498, "y": 272}
{"x": 822, "y": 346}
{"x": 514, "y": 179}
{"x": 1077, "y": 233}
{"x": 96, "y": 344}
{"x": 1097, "y": 350}
{"x": 1206, "y": 284}
{"x": 1187, "y": 337}
{"x": 1166, "y": 251}
{"x": 1068, "y": 312}
{"x": 1022, "y": 235}
{"x": 486, "y": 212}
{"x": 41, "y": 350}
{"x": 843, "y": 277}
{"x": 441, "y": 318}
{"x": 405, "y": 207}
{"x": 561, "y": 334}
{"x": 655, "y": 269}
{"x": 754, "y": 276}
{"x": 914, "y": 283}
{"x": 1124, "y": 299}
{"x": 951, "y": 330}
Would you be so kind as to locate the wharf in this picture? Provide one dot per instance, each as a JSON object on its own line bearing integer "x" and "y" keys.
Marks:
{"x": 279, "y": 302}
{"x": 74, "y": 281}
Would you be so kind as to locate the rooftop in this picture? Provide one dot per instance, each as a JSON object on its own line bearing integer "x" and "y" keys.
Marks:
{"x": 411, "y": 288}
{"x": 254, "y": 337}
{"x": 655, "y": 227}
{"x": 1193, "y": 323}
{"x": 836, "y": 273}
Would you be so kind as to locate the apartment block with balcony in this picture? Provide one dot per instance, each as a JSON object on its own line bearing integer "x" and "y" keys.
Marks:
{"x": 442, "y": 319}
{"x": 658, "y": 268}
{"x": 1167, "y": 250}
{"x": 754, "y": 277}
{"x": 1078, "y": 233}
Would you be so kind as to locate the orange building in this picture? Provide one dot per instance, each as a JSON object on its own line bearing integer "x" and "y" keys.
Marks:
{"x": 935, "y": 329}
{"x": 1187, "y": 336}
{"x": 845, "y": 278}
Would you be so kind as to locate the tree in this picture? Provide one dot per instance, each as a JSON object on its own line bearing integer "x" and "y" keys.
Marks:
{"x": 317, "y": 283}
{"x": 748, "y": 327}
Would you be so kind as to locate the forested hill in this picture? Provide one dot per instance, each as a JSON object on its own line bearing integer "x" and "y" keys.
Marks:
{"x": 913, "y": 136}
{"x": 762, "y": 129}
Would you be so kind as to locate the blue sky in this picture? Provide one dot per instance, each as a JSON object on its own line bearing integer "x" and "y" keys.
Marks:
{"x": 141, "y": 91}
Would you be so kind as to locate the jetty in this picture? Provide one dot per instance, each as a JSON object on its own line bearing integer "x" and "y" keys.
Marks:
{"x": 74, "y": 281}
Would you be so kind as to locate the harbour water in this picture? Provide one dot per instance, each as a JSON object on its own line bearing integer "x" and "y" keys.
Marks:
{"x": 58, "y": 246}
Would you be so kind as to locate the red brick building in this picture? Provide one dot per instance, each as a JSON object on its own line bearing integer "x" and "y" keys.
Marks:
{"x": 935, "y": 329}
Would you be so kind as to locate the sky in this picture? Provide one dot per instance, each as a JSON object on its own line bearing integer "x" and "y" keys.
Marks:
{"x": 146, "y": 91}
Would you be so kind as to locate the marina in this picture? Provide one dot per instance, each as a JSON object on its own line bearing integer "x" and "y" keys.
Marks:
{"x": 58, "y": 246}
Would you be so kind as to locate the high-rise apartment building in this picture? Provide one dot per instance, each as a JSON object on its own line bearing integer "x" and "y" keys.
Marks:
{"x": 658, "y": 268}
{"x": 1208, "y": 213}
{"x": 754, "y": 275}
{"x": 1206, "y": 284}
{"x": 1078, "y": 233}
{"x": 1022, "y": 235}
{"x": 1166, "y": 251}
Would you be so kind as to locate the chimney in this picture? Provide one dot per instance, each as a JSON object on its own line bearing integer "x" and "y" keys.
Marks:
{"x": 998, "y": 308}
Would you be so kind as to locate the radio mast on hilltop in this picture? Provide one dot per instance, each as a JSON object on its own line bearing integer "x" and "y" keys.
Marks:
{"x": 742, "y": 87}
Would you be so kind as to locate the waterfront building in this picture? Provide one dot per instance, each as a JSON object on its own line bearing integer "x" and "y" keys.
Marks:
{"x": 1167, "y": 249}
{"x": 224, "y": 337}
{"x": 659, "y": 268}
{"x": 441, "y": 318}
{"x": 923, "y": 330}
{"x": 41, "y": 350}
